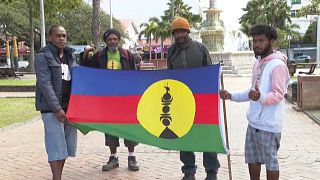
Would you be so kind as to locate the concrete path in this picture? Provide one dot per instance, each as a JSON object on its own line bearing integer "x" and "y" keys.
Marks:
{"x": 23, "y": 156}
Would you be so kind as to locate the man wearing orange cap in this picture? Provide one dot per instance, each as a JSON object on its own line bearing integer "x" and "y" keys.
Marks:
{"x": 186, "y": 53}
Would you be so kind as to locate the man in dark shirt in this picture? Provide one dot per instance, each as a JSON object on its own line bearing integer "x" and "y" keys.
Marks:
{"x": 116, "y": 58}
{"x": 186, "y": 53}
{"x": 53, "y": 66}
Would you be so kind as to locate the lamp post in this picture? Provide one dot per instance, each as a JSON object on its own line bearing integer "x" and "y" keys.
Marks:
{"x": 42, "y": 25}
{"x": 111, "y": 23}
{"x": 288, "y": 53}
{"x": 318, "y": 41}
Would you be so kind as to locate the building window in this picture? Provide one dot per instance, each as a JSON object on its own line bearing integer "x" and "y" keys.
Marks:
{"x": 295, "y": 1}
{"x": 294, "y": 13}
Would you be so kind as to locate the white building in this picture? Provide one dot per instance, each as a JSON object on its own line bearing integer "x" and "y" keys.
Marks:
{"x": 131, "y": 29}
{"x": 303, "y": 22}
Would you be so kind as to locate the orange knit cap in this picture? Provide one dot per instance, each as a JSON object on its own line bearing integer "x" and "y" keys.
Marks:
{"x": 180, "y": 23}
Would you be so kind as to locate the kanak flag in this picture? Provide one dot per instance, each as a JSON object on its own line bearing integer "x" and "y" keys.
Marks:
{"x": 171, "y": 109}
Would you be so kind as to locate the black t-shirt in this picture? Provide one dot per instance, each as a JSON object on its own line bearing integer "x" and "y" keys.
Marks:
{"x": 66, "y": 83}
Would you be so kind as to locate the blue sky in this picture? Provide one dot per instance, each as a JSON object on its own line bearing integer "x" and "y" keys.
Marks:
{"x": 141, "y": 10}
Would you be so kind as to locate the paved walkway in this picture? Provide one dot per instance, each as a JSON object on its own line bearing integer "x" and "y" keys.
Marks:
{"x": 23, "y": 156}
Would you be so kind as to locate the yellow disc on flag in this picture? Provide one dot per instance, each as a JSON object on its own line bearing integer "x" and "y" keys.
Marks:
{"x": 167, "y": 109}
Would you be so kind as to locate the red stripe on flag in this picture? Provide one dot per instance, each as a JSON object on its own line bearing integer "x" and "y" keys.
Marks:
{"x": 122, "y": 109}
{"x": 207, "y": 107}
{"x": 103, "y": 109}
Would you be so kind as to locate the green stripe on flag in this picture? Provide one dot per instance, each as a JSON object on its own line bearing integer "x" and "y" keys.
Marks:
{"x": 201, "y": 137}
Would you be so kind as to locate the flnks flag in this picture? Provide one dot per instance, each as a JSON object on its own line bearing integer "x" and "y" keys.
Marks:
{"x": 171, "y": 109}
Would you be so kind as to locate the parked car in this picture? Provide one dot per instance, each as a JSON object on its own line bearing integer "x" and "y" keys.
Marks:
{"x": 301, "y": 59}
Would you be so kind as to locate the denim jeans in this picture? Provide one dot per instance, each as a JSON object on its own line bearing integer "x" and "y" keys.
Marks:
{"x": 210, "y": 162}
{"x": 60, "y": 138}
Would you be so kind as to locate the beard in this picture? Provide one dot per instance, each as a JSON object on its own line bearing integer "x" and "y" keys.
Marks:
{"x": 113, "y": 48}
{"x": 262, "y": 52}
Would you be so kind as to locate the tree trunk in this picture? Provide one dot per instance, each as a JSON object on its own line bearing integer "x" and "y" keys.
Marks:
{"x": 95, "y": 22}
{"x": 162, "y": 54}
{"x": 31, "y": 31}
{"x": 150, "y": 50}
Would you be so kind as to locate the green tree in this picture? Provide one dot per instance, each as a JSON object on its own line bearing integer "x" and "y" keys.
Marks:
{"x": 13, "y": 22}
{"x": 79, "y": 29}
{"x": 275, "y": 13}
{"x": 149, "y": 30}
{"x": 32, "y": 10}
{"x": 160, "y": 29}
{"x": 311, "y": 34}
{"x": 177, "y": 8}
{"x": 311, "y": 9}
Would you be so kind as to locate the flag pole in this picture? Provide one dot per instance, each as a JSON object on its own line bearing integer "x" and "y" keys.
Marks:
{"x": 226, "y": 128}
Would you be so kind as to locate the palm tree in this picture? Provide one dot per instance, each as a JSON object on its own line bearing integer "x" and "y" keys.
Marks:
{"x": 276, "y": 13}
{"x": 177, "y": 8}
{"x": 148, "y": 31}
{"x": 157, "y": 29}
{"x": 162, "y": 31}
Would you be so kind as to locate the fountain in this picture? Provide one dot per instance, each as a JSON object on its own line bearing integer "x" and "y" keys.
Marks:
{"x": 229, "y": 47}
{"x": 213, "y": 36}
{"x": 240, "y": 42}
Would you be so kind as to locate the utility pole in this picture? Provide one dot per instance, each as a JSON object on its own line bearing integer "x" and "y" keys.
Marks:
{"x": 111, "y": 23}
{"x": 318, "y": 41}
{"x": 172, "y": 14}
{"x": 42, "y": 25}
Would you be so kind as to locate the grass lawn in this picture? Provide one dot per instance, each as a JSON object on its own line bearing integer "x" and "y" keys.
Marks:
{"x": 15, "y": 110}
{"x": 17, "y": 82}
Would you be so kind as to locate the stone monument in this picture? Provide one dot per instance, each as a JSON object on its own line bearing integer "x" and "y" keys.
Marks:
{"x": 212, "y": 35}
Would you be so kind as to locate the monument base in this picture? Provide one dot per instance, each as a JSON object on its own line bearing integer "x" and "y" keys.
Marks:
{"x": 238, "y": 63}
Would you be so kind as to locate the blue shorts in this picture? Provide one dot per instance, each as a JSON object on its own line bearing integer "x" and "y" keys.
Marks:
{"x": 262, "y": 147}
{"x": 60, "y": 138}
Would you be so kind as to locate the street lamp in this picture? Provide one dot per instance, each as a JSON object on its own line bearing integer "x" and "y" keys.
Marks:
{"x": 111, "y": 23}
{"x": 42, "y": 26}
{"x": 318, "y": 41}
{"x": 289, "y": 39}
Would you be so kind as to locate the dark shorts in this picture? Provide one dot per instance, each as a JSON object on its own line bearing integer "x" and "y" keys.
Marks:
{"x": 113, "y": 141}
{"x": 262, "y": 147}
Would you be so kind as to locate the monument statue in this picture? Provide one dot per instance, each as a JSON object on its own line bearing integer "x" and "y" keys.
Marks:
{"x": 212, "y": 35}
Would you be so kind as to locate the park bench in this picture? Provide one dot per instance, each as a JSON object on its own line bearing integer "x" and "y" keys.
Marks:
{"x": 311, "y": 70}
{"x": 8, "y": 72}
{"x": 147, "y": 66}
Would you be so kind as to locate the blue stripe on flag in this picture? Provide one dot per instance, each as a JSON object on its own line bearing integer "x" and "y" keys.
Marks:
{"x": 103, "y": 82}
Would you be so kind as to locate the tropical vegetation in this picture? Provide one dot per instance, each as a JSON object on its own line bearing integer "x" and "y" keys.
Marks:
{"x": 312, "y": 9}
{"x": 21, "y": 18}
{"x": 276, "y": 13}
{"x": 160, "y": 29}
